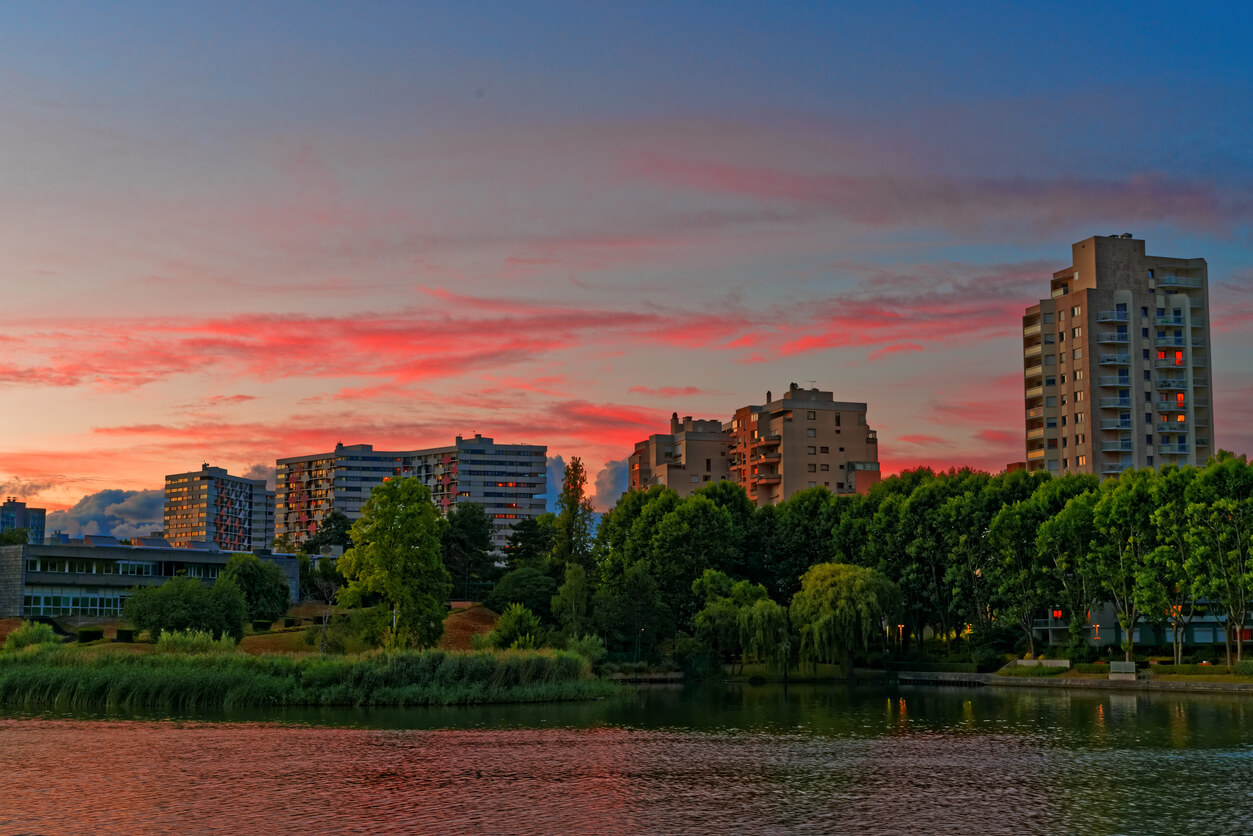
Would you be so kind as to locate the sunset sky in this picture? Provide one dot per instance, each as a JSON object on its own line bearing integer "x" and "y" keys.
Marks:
{"x": 232, "y": 234}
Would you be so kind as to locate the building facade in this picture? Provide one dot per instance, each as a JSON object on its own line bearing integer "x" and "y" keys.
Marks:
{"x": 510, "y": 481}
{"x": 1116, "y": 362}
{"x": 805, "y": 439}
{"x": 94, "y": 579}
{"x": 14, "y": 514}
{"x": 211, "y": 506}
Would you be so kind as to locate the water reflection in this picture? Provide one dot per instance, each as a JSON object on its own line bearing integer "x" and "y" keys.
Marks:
{"x": 805, "y": 759}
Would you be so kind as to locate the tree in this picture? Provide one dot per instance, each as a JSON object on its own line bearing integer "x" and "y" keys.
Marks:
{"x": 571, "y": 602}
{"x": 1220, "y": 525}
{"x": 283, "y": 545}
{"x": 188, "y": 604}
{"x": 527, "y": 586}
{"x": 334, "y": 531}
{"x": 689, "y": 540}
{"x": 517, "y": 628}
{"x": 14, "y": 537}
{"x": 1173, "y": 578}
{"x": 802, "y": 538}
{"x": 837, "y": 610}
{"x": 572, "y": 531}
{"x": 396, "y": 561}
{"x": 631, "y": 611}
{"x": 766, "y": 633}
{"x": 530, "y": 542}
{"x": 322, "y": 584}
{"x": 467, "y": 547}
{"x": 1125, "y": 538}
{"x": 263, "y": 583}
{"x": 1063, "y": 544}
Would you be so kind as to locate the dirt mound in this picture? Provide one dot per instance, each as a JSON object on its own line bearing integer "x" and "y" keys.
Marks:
{"x": 460, "y": 626}
{"x": 8, "y": 625}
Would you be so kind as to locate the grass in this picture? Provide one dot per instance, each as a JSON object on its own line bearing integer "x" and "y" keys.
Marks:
{"x": 65, "y": 678}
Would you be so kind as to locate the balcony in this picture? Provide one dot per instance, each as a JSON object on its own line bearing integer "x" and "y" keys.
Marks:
{"x": 1034, "y": 392}
{"x": 1173, "y": 449}
{"x": 1112, "y": 337}
{"x": 1176, "y": 341}
{"x": 769, "y": 457}
{"x": 1120, "y": 446}
{"x": 1116, "y": 424}
{"x": 1032, "y": 455}
{"x": 1115, "y": 403}
{"x": 769, "y": 440}
{"x": 1032, "y": 350}
{"x": 1035, "y": 412}
{"x": 1202, "y": 442}
{"x": 1172, "y": 383}
{"x": 1114, "y": 468}
{"x": 1031, "y": 330}
{"x": 1113, "y": 360}
{"x": 1034, "y": 371}
{"x": 1038, "y": 432}
{"x": 1198, "y": 362}
{"x": 1168, "y": 320}
{"x": 1171, "y": 406}
{"x": 1171, "y": 427}
{"x": 767, "y": 478}
{"x": 1111, "y": 316}
{"x": 1113, "y": 380}
{"x": 1169, "y": 363}
{"x": 1178, "y": 281}
{"x": 1194, "y": 302}
{"x": 1198, "y": 343}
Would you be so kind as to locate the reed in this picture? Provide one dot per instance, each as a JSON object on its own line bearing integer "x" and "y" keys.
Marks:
{"x": 62, "y": 678}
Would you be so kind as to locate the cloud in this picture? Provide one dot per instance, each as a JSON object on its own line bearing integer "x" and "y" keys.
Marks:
{"x": 669, "y": 391}
{"x": 924, "y": 440}
{"x": 896, "y": 348}
{"x": 611, "y": 483}
{"x": 112, "y": 512}
{"x": 21, "y": 488}
{"x": 262, "y": 471}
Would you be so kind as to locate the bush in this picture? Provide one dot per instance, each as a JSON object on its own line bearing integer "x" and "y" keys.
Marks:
{"x": 515, "y": 623}
{"x": 187, "y": 604}
{"x": 590, "y": 647}
{"x": 29, "y": 634}
{"x": 125, "y": 635}
{"x": 1243, "y": 668}
{"x": 1032, "y": 671}
{"x": 90, "y": 634}
{"x": 193, "y": 641}
{"x": 1193, "y": 670}
{"x": 986, "y": 658}
{"x": 1100, "y": 668}
{"x": 529, "y": 587}
{"x": 263, "y": 584}
{"x": 262, "y": 626}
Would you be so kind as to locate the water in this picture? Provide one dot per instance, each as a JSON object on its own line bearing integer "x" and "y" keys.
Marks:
{"x": 733, "y": 760}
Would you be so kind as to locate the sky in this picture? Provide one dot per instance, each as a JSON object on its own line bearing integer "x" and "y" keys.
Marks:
{"x": 235, "y": 232}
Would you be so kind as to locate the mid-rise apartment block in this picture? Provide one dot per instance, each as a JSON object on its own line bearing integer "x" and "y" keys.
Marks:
{"x": 14, "y": 514}
{"x": 211, "y": 506}
{"x": 1116, "y": 362}
{"x": 692, "y": 453}
{"x": 805, "y": 439}
{"x": 510, "y": 481}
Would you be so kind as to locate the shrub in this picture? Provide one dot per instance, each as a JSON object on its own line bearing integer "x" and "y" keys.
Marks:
{"x": 90, "y": 634}
{"x": 1100, "y": 668}
{"x": 1243, "y": 668}
{"x": 187, "y": 604}
{"x": 590, "y": 647}
{"x": 125, "y": 635}
{"x": 193, "y": 641}
{"x": 31, "y": 633}
{"x": 1193, "y": 670}
{"x": 261, "y": 626}
{"x": 527, "y": 586}
{"x": 1034, "y": 670}
{"x": 514, "y": 623}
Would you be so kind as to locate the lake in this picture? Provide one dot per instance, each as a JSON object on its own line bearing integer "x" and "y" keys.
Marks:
{"x": 718, "y": 760}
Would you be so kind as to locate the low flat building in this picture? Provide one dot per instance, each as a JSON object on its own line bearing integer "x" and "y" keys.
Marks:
{"x": 94, "y": 579}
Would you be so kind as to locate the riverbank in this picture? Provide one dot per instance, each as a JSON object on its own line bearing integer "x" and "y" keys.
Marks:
{"x": 60, "y": 677}
{"x": 1090, "y": 683}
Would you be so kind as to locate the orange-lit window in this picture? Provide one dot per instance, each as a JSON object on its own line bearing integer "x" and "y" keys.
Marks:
{"x": 1179, "y": 398}
{"x": 1161, "y": 355}
{"x": 1178, "y": 358}
{"x": 1057, "y": 615}
{"x": 1180, "y": 418}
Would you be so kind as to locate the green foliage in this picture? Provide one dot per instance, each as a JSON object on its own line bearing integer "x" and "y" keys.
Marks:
{"x": 30, "y": 634}
{"x": 69, "y": 679}
{"x": 14, "y": 537}
{"x": 527, "y": 586}
{"x": 572, "y": 530}
{"x": 466, "y": 544}
{"x": 187, "y": 604}
{"x": 90, "y": 634}
{"x": 530, "y": 542}
{"x": 631, "y": 613}
{"x": 396, "y": 560}
{"x": 193, "y": 641}
{"x": 335, "y": 530}
{"x": 839, "y": 608}
{"x": 1243, "y": 668}
{"x": 1031, "y": 671}
{"x": 1195, "y": 670}
{"x": 590, "y": 647}
{"x": 572, "y": 602}
{"x": 263, "y": 583}
{"x": 517, "y": 628}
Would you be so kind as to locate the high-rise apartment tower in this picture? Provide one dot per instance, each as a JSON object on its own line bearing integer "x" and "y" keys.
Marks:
{"x": 1117, "y": 362}
{"x": 211, "y": 506}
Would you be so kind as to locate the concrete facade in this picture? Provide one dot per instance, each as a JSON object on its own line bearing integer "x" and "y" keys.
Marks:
{"x": 509, "y": 480}
{"x": 211, "y": 506}
{"x": 1116, "y": 362}
{"x": 14, "y": 514}
{"x": 803, "y": 440}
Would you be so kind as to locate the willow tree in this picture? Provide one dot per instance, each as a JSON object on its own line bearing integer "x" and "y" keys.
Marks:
{"x": 839, "y": 607}
{"x": 765, "y": 634}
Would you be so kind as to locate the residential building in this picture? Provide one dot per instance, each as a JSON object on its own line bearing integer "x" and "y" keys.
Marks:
{"x": 93, "y": 579}
{"x": 803, "y": 440}
{"x": 14, "y": 514}
{"x": 509, "y": 480}
{"x": 1116, "y": 362}
{"x": 692, "y": 453}
{"x": 211, "y": 506}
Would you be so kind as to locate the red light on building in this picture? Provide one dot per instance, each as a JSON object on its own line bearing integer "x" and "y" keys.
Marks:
{"x": 1057, "y": 615}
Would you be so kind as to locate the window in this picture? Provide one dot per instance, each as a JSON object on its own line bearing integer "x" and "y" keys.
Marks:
{"x": 1062, "y": 378}
{"x": 813, "y": 468}
{"x": 841, "y": 449}
{"x": 824, "y": 467}
{"x": 1078, "y": 396}
{"x": 1144, "y": 332}
{"x": 1146, "y": 374}
{"x": 709, "y": 465}
{"x": 1080, "y": 461}
{"x": 1051, "y": 444}
{"x": 824, "y": 449}
{"x": 1148, "y": 440}
{"x": 1076, "y": 311}
{"x": 1148, "y": 418}
{"x": 1048, "y": 317}
{"x": 812, "y": 451}
{"x": 1077, "y": 353}
{"x": 813, "y": 484}
{"x": 1076, "y": 333}
{"x": 1064, "y": 442}
{"x": 1050, "y": 381}
{"x": 811, "y": 433}
{"x": 811, "y": 415}
{"x": 695, "y": 478}
{"x": 1049, "y": 339}
{"x": 1065, "y": 463}
{"x": 1078, "y": 375}
{"x": 1063, "y": 400}
{"x": 1078, "y": 417}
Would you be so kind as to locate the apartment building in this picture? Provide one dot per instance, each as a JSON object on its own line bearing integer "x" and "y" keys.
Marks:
{"x": 803, "y": 440}
{"x": 14, "y": 514}
{"x": 509, "y": 480}
{"x": 211, "y": 506}
{"x": 1116, "y": 362}
{"x": 692, "y": 453}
